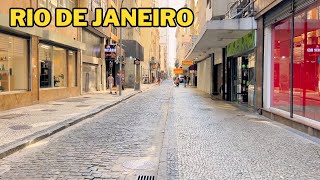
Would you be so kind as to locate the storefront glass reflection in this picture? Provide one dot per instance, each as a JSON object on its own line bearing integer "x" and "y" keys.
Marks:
{"x": 306, "y": 69}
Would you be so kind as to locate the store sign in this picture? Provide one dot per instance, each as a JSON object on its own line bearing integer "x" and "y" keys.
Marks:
{"x": 187, "y": 63}
{"x": 242, "y": 45}
{"x": 110, "y": 49}
{"x": 178, "y": 71}
{"x": 313, "y": 50}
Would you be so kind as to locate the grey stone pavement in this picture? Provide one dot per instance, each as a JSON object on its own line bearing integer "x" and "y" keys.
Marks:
{"x": 26, "y": 123}
{"x": 170, "y": 133}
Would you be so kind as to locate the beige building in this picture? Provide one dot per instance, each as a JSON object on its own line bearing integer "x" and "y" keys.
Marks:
{"x": 150, "y": 40}
{"x": 38, "y": 64}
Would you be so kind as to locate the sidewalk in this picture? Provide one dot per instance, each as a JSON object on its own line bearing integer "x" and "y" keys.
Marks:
{"x": 23, "y": 126}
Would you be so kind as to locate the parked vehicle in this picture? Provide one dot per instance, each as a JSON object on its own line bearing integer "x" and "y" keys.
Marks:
{"x": 181, "y": 78}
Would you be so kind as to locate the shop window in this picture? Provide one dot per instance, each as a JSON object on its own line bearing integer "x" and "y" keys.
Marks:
{"x": 72, "y": 58}
{"x": 306, "y": 82}
{"x": 53, "y": 66}
{"x": 60, "y": 67}
{"x": 13, "y": 63}
{"x": 281, "y": 40}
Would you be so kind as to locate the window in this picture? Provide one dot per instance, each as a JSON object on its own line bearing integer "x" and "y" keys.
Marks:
{"x": 306, "y": 60}
{"x": 72, "y": 59}
{"x": 281, "y": 65}
{"x": 52, "y": 4}
{"x": 59, "y": 67}
{"x": 306, "y": 77}
{"x": 13, "y": 63}
{"x": 53, "y": 66}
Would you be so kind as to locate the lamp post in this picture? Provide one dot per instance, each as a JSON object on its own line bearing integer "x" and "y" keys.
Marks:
{"x": 120, "y": 83}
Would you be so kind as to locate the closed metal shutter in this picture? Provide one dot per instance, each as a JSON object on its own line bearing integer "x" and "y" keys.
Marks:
{"x": 280, "y": 12}
{"x": 303, "y": 4}
{"x": 284, "y": 10}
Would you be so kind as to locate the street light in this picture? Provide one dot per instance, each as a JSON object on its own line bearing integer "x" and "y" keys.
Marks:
{"x": 120, "y": 83}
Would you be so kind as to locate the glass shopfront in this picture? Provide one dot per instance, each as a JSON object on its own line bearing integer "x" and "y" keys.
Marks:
{"x": 14, "y": 63}
{"x": 306, "y": 60}
{"x": 54, "y": 66}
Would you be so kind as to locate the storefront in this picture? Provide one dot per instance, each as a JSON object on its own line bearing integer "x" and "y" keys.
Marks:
{"x": 291, "y": 60}
{"x": 58, "y": 71}
{"x": 240, "y": 70}
{"x": 14, "y": 64}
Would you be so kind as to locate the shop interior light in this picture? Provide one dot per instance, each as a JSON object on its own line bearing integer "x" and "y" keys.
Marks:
{"x": 283, "y": 57}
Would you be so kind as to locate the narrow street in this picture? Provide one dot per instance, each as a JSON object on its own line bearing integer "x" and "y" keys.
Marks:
{"x": 170, "y": 133}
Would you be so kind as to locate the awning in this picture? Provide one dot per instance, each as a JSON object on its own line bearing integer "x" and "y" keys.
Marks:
{"x": 218, "y": 34}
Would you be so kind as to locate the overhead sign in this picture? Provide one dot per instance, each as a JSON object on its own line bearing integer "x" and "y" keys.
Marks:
{"x": 187, "y": 63}
{"x": 178, "y": 71}
{"x": 242, "y": 45}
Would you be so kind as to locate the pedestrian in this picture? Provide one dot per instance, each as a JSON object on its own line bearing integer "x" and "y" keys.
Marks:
{"x": 118, "y": 79}
{"x": 122, "y": 82}
{"x": 111, "y": 81}
{"x": 185, "y": 81}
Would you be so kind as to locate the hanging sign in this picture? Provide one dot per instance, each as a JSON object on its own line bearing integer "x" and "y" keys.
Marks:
{"x": 178, "y": 71}
{"x": 187, "y": 63}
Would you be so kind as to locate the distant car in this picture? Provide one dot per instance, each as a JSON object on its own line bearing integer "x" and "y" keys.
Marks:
{"x": 181, "y": 78}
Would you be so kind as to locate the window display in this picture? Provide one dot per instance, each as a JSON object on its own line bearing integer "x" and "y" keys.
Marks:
{"x": 54, "y": 66}
{"x": 306, "y": 59}
{"x": 13, "y": 63}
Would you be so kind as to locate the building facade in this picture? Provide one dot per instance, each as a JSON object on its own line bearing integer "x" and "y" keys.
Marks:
{"x": 38, "y": 64}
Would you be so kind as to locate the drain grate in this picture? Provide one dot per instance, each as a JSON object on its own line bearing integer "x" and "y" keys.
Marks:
{"x": 49, "y": 110}
{"x": 74, "y": 100}
{"x": 11, "y": 116}
{"x": 20, "y": 127}
{"x": 57, "y": 104}
{"x": 146, "y": 177}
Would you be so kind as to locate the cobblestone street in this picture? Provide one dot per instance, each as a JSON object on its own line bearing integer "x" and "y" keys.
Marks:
{"x": 170, "y": 133}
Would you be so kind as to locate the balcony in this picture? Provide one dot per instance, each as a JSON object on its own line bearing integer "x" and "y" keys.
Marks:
{"x": 240, "y": 9}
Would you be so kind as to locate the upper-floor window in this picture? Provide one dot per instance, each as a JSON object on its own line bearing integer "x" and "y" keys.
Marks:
{"x": 53, "y": 4}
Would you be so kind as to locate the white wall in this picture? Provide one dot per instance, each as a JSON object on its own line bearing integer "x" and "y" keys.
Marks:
{"x": 204, "y": 73}
{"x": 267, "y": 69}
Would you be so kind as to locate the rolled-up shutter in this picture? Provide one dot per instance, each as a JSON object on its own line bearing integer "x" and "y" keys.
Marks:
{"x": 280, "y": 12}
{"x": 303, "y": 4}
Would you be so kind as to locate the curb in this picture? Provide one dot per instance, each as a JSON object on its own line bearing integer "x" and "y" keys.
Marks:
{"x": 20, "y": 144}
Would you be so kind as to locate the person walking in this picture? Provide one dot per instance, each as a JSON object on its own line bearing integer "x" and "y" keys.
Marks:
{"x": 111, "y": 81}
{"x": 118, "y": 79}
{"x": 185, "y": 81}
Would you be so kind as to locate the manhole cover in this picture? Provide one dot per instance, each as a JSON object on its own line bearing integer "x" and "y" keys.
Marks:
{"x": 11, "y": 116}
{"x": 241, "y": 115}
{"x": 83, "y": 106}
{"x": 139, "y": 164}
{"x": 49, "y": 110}
{"x": 20, "y": 127}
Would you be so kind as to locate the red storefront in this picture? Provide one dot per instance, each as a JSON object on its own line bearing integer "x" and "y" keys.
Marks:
{"x": 292, "y": 55}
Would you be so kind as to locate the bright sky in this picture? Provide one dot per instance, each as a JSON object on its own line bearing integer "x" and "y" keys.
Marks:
{"x": 176, "y": 4}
